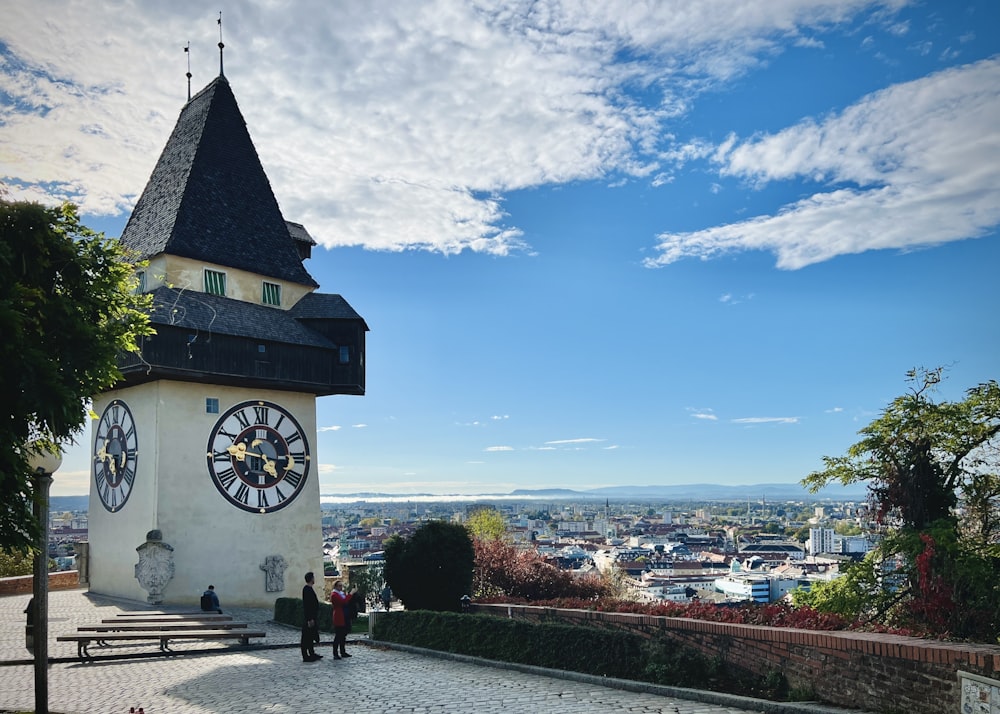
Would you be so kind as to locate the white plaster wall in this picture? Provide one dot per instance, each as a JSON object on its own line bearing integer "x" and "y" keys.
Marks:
{"x": 115, "y": 536}
{"x": 188, "y": 274}
{"x": 214, "y": 542}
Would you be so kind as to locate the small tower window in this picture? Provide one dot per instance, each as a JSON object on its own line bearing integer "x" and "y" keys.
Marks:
{"x": 211, "y": 405}
{"x": 270, "y": 294}
{"x": 215, "y": 282}
{"x": 345, "y": 354}
{"x": 140, "y": 285}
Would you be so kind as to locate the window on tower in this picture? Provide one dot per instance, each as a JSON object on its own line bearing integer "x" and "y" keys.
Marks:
{"x": 270, "y": 293}
{"x": 215, "y": 282}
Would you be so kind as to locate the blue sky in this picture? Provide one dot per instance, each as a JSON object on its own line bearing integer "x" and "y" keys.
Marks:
{"x": 596, "y": 243}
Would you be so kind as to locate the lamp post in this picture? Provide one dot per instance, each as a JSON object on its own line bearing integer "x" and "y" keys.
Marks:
{"x": 44, "y": 464}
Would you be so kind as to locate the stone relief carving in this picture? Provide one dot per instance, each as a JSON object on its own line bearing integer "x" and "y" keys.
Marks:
{"x": 274, "y": 567}
{"x": 155, "y": 567}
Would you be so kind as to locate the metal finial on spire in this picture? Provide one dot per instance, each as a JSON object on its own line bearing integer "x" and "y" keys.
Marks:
{"x": 221, "y": 46}
{"x": 187, "y": 51}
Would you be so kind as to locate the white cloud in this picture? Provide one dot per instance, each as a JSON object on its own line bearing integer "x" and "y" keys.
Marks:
{"x": 914, "y": 165}
{"x": 584, "y": 440}
{"x": 329, "y": 428}
{"x": 766, "y": 420}
{"x": 359, "y": 426}
{"x": 499, "y": 448}
{"x": 395, "y": 129}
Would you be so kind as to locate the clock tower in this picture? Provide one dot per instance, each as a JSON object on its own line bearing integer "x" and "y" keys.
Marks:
{"x": 204, "y": 454}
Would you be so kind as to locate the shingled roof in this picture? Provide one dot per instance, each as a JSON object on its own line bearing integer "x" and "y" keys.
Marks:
{"x": 324, "y": 306}
{"x": 209, "y": 199}
{"x": 207, "y": 314}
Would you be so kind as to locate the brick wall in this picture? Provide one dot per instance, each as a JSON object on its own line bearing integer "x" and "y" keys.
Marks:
{"x": 61, "y": 580}
{"x": 859, "y": 670}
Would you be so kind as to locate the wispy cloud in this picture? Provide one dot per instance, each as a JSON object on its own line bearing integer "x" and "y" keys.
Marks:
{"x": 499, "y": 448}
{"x": 359, "y": 426}
{"x": 766, "y": 420}
{"x": 706, "y": 414}
{"x": 585, "y": 440}
{"x": 896, "y": 170}
{"x": 334, "y": 427}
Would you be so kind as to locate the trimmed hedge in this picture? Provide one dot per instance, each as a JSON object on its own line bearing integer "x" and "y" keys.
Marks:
{"x": 587, "y": 650}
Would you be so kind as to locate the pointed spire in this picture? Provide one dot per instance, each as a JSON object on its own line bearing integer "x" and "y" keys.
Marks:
{"x": 187, "y": 51}
{"x": 221, "y": 46}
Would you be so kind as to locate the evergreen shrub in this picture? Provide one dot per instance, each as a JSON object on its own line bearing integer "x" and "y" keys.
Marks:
{"x": 589, "y": 650}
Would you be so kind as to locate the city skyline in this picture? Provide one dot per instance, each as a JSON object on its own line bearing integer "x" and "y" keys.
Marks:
{"x": 595, "y": 245}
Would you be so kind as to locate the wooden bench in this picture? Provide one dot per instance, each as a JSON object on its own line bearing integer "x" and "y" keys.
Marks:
{"x": 209, "y": 620}
{"x": 126, "y": 626}
{"x": 84, "y": 639}
{"x": 160, "y": 613}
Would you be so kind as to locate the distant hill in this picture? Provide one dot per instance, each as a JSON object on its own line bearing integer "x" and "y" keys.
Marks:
{"x": 706, "y": 492}
{"x": 69, "y": 503}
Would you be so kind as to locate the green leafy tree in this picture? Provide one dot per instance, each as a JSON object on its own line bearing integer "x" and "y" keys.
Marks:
{"x": 846, "y": 528}
{"x": 487, "y": 523}
{"x": 67, "y": 307}
{"x": 919, "y": 453}
{"x": 917, "y": 457}
{"x": 14, "y": 563}
{"x": 432, "y": 569}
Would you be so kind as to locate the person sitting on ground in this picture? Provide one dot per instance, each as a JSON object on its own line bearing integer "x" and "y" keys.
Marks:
{"x": 210, "y": 601}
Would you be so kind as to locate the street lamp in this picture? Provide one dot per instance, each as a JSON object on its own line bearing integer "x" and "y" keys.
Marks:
{"x": 43, "y": 463}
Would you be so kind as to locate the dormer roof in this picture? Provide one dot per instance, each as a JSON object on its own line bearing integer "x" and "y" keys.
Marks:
{"x": 209, "y": 199}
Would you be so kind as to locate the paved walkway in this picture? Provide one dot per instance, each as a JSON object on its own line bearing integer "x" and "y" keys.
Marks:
{"x": 273, "y": 678}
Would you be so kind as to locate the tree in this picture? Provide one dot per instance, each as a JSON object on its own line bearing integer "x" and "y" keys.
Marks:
{"x": 432, "y": 569}
{"x": 68, "y": 305}
{"x": 918, "y": 453}
{"x": 13, "y": 564}
{"x": 487, "y": 523}
{"x": 504, "y": 570}
{"x": 930, "y": 572}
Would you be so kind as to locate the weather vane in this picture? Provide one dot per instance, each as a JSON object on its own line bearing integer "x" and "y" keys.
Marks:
{"x": 221, "y": 46}
{"x": 187, "y": 51}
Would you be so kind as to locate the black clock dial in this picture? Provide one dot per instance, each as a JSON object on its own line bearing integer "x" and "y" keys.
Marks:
{"x": 116, "y": 452}
{"x": 258, "y": 456}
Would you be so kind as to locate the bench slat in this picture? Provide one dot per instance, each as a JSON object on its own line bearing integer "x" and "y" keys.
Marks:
{"x": 164, "y": 626}
{"x": 84, "y": 639}
{"x": 172, "y": 618}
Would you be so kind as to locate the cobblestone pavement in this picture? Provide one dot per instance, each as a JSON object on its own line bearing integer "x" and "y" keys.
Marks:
{"x": 273, "y": 678}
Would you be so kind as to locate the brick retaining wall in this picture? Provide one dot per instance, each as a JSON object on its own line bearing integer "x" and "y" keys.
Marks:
{"x": 22, "y": 585}
{"x": 873, "y": 672}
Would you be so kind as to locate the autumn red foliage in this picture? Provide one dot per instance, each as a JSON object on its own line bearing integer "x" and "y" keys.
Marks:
{"x": 504, "y": 571}
{"x": 768, "y": 615}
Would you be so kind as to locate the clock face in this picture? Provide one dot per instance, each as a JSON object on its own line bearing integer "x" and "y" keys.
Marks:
{"x": 258, "y": 456}
{"x": 116, "y": 451}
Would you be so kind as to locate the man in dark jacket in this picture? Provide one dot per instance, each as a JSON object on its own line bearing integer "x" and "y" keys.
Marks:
{"x": 310, "y": 624}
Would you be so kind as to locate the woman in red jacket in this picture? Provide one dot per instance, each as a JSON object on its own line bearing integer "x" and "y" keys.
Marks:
{"x": 339, "y": 600}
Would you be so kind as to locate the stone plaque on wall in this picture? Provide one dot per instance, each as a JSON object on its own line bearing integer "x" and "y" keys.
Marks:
{"x": 980, "y": 695}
